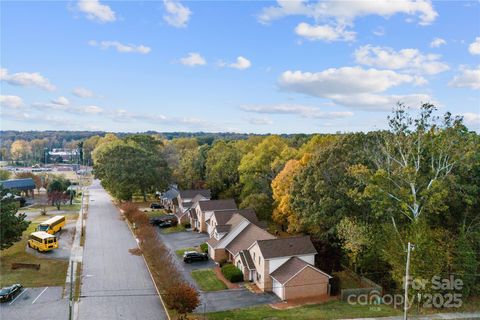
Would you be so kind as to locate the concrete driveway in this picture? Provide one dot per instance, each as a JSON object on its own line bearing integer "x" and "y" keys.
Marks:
{"x": 214, "y": 300}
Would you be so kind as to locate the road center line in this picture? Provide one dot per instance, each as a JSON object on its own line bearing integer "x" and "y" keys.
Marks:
{"x": 18, "y": 296}
{"x": 39, "y": 295}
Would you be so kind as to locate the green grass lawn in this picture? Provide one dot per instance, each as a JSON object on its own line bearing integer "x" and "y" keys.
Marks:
{"x": 180, "y": 252}
{"x": 207, "y": 280}
{"x": 155, "y": 213}
{"x": 52, "y": 272}
{"x": 75, "y": 207}
{"x": 177, "y": 228}
{"x": 328, "y": 310}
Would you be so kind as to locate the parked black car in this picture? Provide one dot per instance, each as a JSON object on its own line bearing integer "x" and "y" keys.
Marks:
{"x": 8, "y": 293}
{"x": 155, "y": 221}
{"x": 156, "y": 206}
{"x": 165, "y": 224}
{"x": 191, "y": 256}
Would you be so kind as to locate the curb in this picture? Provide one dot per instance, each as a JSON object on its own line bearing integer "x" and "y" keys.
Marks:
{"x": 148, "y": 268}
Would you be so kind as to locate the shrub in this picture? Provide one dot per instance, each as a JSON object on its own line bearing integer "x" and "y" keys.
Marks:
{"x": 183, "y": 298}
{"x": 232, "y": 273}
{"x": 222, "y": 262}
{"x": 204, "y": 247}
{"x": 186, "y": 225}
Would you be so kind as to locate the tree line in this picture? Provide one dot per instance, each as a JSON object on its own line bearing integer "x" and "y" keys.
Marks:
{"x": 361, "y": 196}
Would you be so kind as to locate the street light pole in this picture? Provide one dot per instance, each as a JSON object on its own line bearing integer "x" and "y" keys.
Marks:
{"x": 407, "y": 276}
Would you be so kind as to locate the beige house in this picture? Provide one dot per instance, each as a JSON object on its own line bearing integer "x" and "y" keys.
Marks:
{"x": 186, "y": 199}
{"x": 283, "y": 266}
{"x": 203, "y": 211}
{"x": 235, "y": 235}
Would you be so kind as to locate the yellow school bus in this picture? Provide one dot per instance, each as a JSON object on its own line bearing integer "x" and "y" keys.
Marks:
{"x": 42, "y": 241}
{"x": 52, "y": 225}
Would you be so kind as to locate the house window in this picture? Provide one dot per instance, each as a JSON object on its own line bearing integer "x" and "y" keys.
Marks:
{"x": 259, "y": 260}
{"x": 254, "y": 256}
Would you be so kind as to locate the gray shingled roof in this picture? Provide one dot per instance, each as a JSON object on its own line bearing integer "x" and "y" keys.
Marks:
{"x": 290, "y": 268}
{"x": 212, "y": 205}
{"x": 222, "y": 216}
{"x": 170, "y": 194}
{"x": 190, "y": 194}
{"x": 246, "y": 237}
{"x": 284, "y": 247}
{"x": 18, "y": 184}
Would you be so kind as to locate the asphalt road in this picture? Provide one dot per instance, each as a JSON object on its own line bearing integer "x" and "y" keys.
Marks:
{"x": 36, "y": 304}
{"x": 115, "y": 283}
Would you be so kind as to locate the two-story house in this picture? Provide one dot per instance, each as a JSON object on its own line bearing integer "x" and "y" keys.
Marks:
{"x": 186, "y": 199}
{"x": 235, "y": 235}
{"x": 203, "y": 211}
{"x": 284, "y": 266}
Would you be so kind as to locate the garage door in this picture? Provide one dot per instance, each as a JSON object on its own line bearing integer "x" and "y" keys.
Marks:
{"x": 277, "y": 288}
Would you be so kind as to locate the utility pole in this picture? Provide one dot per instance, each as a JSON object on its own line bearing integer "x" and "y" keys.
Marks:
{"x": 411, "y": 247}
{"x": 70, "y": 309}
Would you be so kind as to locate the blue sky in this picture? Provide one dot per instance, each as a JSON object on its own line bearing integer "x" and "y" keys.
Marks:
{"x": 264, "y": 67}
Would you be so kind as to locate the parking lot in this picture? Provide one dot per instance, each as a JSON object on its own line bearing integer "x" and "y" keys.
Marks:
{"x": 36, "y": 303}
{"x": 214, "y": 300}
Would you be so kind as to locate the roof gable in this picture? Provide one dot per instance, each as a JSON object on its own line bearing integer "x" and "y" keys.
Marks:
{"x": 286, "y": 247}
{"x": 191, "y": 193}
{"x": 291, "y": 268}
{"x": 246, "y": 237}
{"x": 212, "y": 205}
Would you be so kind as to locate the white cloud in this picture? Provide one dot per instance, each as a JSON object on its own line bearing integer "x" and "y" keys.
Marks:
{"x": 26, "y": 79}
{"x": 324, "y": 32}
{"x": 96, "y": 11}
{"x": 338, "y": 15}
{"x": 259, "y": 121}
{"x": 11, "y": 102}
{"x": 474, "y": 47}
{"x": 409, "y": 60}
{"x": 120, "y": 47}
{"x": 90, "y": 109}
{"x": 49, "y": 106}
{"x": 62, "y": 101}
{"x": 471, "y": 118}
{"x": 193, "y": 59}
{"x": 346, "y": 80}
{"x": 380, "y": 31}
{"x": 345, "y": 12}
{"x": 241, "y": 63}
{"x": 301, "y": 110}
{"x": 437, "y": 42}
{"x": 177, "y": 14}
{"x": 468, "y": 78}
{"x": 377, "y": 102}
{"x": 353, "y": 87}
{"x": 83, "y": 92}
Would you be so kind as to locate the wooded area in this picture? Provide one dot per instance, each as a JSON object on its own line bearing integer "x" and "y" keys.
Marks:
{"x": 361, "y": 196}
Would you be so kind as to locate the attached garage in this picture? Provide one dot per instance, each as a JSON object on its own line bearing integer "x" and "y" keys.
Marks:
{"x": 278, "y": 289}
{"x": 298, "y": 279}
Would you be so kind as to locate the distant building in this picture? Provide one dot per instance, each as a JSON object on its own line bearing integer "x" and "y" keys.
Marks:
{"x": 66, "y": 155}
{"x": 23, "y": 185}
